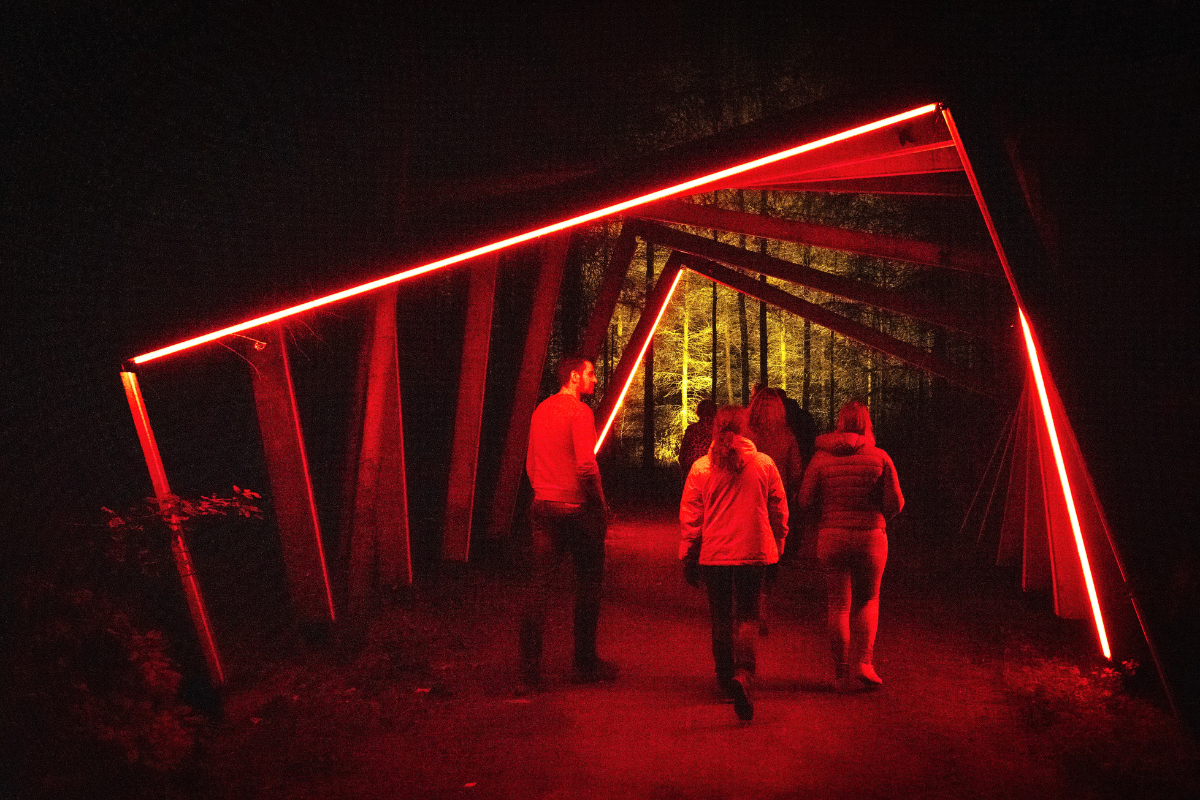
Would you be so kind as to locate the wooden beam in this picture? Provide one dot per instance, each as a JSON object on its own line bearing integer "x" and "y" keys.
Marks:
{"x": 379, "y": 552}
{"x": 935, "y": 184}
{"x": 824, "y": 236}
{"x": 641, "y": 332}
{"x": 937, "y": 157}
{"x": 529, "y": 379}
{"x": 179, "y": 549}
{"x": 847, "y": 327}
{"x": 811, "y": 278}
{"x": 913, "y": 136}
{"x": 464, "y": 452}
{"x": 623, "y": 252}
{"x": 291, "y": 487}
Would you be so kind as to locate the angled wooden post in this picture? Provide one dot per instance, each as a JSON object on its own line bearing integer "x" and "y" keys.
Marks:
{"x": 639, "y": 342}
{"x": 291, "y": 487}
{"x": 537, "y": 341}
{"x": 179, "y": 548}
{"x": 464, "y": 453}
{"x": 623, "y": 252}
{"x": 378, "y": 552}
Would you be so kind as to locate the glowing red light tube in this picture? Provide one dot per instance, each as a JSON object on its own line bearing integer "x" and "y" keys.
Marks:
{"x": 179, "y": 549}
{"x": 581, "y": 219}
{"x": 1035, "y": 364}
{"x": 641, "y": 353}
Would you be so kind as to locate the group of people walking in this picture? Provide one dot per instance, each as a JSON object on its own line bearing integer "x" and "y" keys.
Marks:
{"x": 747, "y": 478}
{"x": 738, "y": 500}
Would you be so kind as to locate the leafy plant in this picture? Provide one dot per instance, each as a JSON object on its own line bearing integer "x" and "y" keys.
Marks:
{"x": 96, "y": 696}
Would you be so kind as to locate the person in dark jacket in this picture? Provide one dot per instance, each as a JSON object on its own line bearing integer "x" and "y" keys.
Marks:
{"x": 697, "y": 437}
{"x": 853, "y": 485}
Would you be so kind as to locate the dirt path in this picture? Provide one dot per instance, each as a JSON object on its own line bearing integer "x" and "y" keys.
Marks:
{"x": 428, "y": 709}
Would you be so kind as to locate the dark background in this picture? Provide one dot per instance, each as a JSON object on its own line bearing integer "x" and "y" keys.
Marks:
{"x": 167, "y": 172}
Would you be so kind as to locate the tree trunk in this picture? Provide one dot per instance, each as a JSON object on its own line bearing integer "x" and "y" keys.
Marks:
{"x": 728, "y": 370}
{"x": 712, "y": 392}
{"x": 832, "y": 384}
{"x": 783, "y": 321}
{"x": 744, "y": 329}
{"x": 806, "y": 378}
{"x": 683, "y": 370}
{"x": 648, "y": 375}
{"x": 763, "y": 344}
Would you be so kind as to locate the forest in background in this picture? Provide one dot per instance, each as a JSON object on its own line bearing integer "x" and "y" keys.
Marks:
{"x": 759, "y": 344}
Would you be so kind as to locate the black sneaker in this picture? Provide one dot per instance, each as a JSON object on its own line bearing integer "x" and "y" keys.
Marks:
{"x": 599, "y": 671}
{"x": 741, "y": 701}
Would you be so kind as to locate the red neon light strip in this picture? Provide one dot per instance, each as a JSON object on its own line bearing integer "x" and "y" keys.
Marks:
{"x": 539, "y": 232}
{"x": 141, "y": 421}
{"x": 645, "y": 346}
{"x": 1066, "y": 484}
{"x": 1035, "y": 364}
{"x": 312, "y": 503}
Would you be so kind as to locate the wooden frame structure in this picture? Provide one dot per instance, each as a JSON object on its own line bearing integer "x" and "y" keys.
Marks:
{"x": 885, "y": 145}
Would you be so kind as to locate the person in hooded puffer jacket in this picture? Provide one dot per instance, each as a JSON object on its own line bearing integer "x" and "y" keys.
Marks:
{"x": 853, "y": 485}
{"x": 734, "y": 519}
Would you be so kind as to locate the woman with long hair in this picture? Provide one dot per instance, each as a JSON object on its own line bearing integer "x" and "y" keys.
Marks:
{"x": 853, "y": 485}
{"x": 733, "y": 518}
{"x": 769, "y": 430}
{"x": 771, "y": 434}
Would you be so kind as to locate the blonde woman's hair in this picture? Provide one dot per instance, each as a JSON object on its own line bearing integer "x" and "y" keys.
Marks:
{"x": 729, "y": 423}
{"x": 855, "y": 418}
{"x": 767, "y": 415}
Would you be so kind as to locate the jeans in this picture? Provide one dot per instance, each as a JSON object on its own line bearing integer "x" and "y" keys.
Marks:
{"x": 562, "y": 531}
{"x": 733, "y": 594}
{"x": 853, "y": 562}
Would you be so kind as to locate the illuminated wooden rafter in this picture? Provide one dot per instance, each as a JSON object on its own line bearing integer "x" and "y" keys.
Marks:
{"x": 811, "y": 278}
{"x": 936, "y": 184}
{"x": 846, "y": 241}
{"x": 657, "y": 301}
{"x": 849, "y": 328}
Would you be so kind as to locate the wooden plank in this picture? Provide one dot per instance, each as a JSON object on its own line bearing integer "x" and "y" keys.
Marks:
{"x": 836, "y": 285}
{"x": 1035, "y": 552}
{"x": 1014, "y": 525}
{"x": 934, "y": 184}
{"x": 379, "y": 551}
{"x": 847, "y": 327}
{"x": 529, "y": 379}
{"x": 860, "y": 243}
{"x": 623, "y": 252}
{"x": 464, "y": 452}
{"x": 641, "y": 334}
{"x": 912, "y": 136}
{"x": 179, "y": 548}
{"x": 291, "y": 487}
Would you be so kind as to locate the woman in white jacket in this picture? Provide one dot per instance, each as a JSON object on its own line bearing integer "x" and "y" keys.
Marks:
{"x": 733, "y": 518}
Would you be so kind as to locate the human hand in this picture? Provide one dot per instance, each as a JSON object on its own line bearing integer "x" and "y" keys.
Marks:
{"x": 691, "y": 573}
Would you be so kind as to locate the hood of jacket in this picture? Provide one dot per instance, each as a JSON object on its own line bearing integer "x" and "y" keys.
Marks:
{"x": 840, "y": 443}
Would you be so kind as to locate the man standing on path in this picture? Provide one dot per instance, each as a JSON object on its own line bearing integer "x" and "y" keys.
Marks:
{"x": 569, "y": 516}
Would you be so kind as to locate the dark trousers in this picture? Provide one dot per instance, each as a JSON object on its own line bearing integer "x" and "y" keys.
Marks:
{"x": 562, "y": 532}
{"x": 733, "y": 594}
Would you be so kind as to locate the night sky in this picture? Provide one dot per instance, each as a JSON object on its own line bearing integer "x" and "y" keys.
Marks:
{"x": 166, "y": 172}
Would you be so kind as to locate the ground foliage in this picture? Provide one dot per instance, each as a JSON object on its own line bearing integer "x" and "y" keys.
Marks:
{"x": 105, "y": 687}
